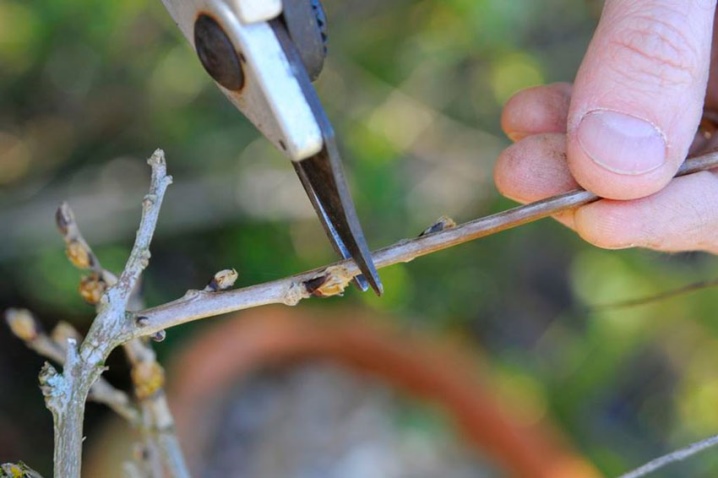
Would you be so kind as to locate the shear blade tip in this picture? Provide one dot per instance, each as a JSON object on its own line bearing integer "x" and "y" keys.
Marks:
{"x": 376, "y": 285}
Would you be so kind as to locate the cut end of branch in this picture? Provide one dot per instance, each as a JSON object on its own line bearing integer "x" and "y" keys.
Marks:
{"x": 159, "y": 166}
{"x": 157, "y": 158}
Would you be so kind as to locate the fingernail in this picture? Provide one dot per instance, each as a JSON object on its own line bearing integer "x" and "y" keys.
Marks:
{"x": 621, "y": 143}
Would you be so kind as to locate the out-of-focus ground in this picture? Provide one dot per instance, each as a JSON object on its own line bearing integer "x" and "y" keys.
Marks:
{"x": 414, "y": 89}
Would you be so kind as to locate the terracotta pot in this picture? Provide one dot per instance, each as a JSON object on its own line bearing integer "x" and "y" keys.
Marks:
{"x": 231, "y": 350}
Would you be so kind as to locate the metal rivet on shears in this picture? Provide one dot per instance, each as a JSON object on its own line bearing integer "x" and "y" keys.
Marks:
{"x": 217, "y": 54}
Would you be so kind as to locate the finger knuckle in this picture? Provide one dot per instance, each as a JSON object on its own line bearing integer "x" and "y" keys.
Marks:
{"x": 656, "y": 47}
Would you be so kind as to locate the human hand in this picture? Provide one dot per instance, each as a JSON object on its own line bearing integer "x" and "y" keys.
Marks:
{"x": 623, "y": 129}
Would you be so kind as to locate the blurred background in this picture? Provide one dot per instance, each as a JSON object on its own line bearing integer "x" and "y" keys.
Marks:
{"x": 414, "y": 89}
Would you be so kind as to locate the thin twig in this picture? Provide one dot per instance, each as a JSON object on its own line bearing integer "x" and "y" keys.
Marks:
{"x": 672, "y": 457}
{"x": 158, "y": 428}
{"x": 147, "y": 377}
{"x": 161, "y": 446}
{"x": 626, "y": 304}
{"x": 200, "y": 304}
{"x": 140, "y": 254}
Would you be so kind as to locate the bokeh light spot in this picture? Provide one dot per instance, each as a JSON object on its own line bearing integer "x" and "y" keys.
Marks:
{"x": 14, "y": 158}
{"x": 18, "y": 33}
{"x": 513, "y": 72}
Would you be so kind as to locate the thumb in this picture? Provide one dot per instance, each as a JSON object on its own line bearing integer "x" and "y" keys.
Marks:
{"x": 639, "y": 94}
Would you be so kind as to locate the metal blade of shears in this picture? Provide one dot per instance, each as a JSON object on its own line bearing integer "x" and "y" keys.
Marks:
{"x": 310, "y": 171}
{"x": 323, "y": 179}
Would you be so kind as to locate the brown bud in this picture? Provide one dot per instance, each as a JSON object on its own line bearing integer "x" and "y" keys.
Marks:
{"x": 23, "y": 324}
{"x": 159, "y": 336}
{"x": 91, "y": 288}
{"x": 222, "y": 280}
{"x": 79, "y": 254}
{"x": 444, "y": 222}
{"x": 147, "y": 378}
{"x": 64, "y": 218}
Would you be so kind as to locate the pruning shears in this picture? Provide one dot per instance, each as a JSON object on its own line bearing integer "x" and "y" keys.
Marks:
{"x": 263, "y": 55}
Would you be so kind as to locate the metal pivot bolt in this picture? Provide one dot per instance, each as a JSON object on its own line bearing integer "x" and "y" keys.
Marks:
{"x": 217, "y": 54}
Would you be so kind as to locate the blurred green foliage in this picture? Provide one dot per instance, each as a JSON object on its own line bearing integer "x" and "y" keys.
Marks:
{"x": 414, "y": 88}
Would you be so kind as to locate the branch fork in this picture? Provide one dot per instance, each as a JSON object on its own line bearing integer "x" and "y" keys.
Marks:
{"x": 66, "y": 392}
